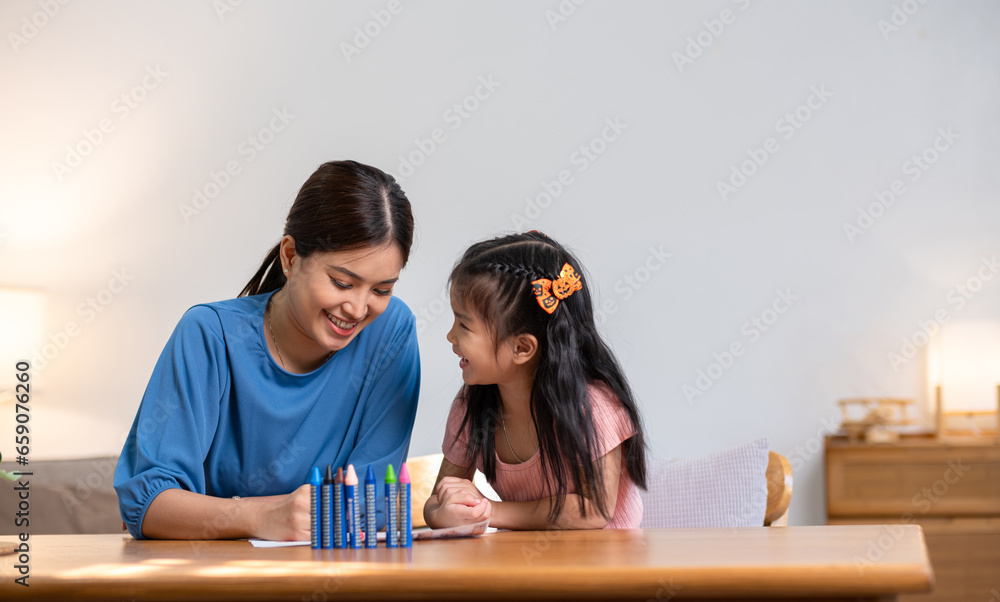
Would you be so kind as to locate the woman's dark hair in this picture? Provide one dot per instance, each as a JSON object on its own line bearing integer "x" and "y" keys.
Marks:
{"x": 493, "y": 279}
{"x": 343, "y": 206}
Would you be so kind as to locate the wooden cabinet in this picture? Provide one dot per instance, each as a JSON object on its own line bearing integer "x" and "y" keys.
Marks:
{"x": 950, "y": 486}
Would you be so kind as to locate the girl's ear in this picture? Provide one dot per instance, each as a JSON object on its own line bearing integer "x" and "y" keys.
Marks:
{"x": 525, "y": 348}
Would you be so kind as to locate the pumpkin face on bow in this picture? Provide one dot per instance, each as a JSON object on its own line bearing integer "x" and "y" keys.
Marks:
{"x": 548, "y": 293}
{"x": 567, "y": 283}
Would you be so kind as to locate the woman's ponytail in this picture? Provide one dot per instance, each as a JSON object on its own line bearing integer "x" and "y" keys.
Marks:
{"x": 269, "y": 276}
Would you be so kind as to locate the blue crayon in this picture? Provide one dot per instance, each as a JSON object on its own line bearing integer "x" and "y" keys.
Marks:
{"x": 371, "y": 514}
{"x": 405, "y": 518}
{"x": 391, "y": 509}
{"x": 326, "y": 517}
{"x": 315, "y": 482}
{"x": 351, "y": 503}
{"x": 338, "y": 509}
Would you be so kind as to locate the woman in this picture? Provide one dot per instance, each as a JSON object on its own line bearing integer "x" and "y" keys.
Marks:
{"x": 314, "y": 363}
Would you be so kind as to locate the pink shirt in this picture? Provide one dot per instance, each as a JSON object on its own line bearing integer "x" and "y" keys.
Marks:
{"x": 523, "y": 482}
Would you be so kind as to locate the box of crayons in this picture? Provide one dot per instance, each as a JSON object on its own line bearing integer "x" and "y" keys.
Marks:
{"x": 336, "y": 508}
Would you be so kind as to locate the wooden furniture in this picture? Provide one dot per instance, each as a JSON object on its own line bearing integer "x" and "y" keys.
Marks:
{"x": 791, "y": 563}
{"x": 424, "y": 471}
{"x": 423, "y": 475}
{"x": 779, "y": 490}
{"x": 951, "y": 487}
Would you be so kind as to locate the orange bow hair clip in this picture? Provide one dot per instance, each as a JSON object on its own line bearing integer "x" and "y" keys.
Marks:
{"x": 548, "y": 293}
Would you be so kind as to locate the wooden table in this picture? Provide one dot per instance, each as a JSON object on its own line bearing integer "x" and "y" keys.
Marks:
{"x": 827, "y": 563}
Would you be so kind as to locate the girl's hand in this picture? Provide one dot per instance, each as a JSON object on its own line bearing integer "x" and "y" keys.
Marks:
{"x": 455, "y": 505}
{"x": 447, "y": 486}
{"x": 283, "y": 517}
{"x": 455, "y": 500}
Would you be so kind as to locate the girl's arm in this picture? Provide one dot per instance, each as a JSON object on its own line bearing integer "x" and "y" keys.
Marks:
{"x": 180, "y": 514}
{"x": 455, "y": 500}
{"x": 535, "y": 515}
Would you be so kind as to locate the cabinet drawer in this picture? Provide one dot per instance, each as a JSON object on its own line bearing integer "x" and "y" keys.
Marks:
{"x": 921, "y": 480}
{"x": 965, "y": 554}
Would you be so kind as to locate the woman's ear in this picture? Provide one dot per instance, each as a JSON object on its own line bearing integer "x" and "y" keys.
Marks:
{"x": 286, "y": 253}
{"x": 525, "y": 348}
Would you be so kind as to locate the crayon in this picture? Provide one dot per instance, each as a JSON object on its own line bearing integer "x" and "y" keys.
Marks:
{"x": 391, "y": 505}
{"x": 405, "y": 519}
{"x": 338, "y": 509}
{"x": 351, "y": 502}
{"x": 315, "y": 482}
{"x": 326, "y": 514}
{"x": 371, "y": 514}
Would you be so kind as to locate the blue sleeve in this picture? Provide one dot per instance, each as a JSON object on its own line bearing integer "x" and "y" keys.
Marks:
{"x": 391, "y": 407}
{"x": 177, "y": 418}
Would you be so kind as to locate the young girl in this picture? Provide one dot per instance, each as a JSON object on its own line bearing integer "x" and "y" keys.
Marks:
{"x": 545, "y": 413}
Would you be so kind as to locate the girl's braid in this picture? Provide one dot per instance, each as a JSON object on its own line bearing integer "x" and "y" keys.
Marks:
{"x": 522, "y": 272}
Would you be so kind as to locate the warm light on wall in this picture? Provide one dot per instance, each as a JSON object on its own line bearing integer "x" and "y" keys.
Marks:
{"x": 22, "y": 324}
{"x": 963, "y": 373}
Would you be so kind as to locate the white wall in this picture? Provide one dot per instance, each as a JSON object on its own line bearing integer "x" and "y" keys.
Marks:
{"x": 221, "y": 77}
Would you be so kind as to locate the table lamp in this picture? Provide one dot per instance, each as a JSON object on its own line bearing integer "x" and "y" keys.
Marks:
{"x": 963, "y": 372}
{"x": 22, "y": 332}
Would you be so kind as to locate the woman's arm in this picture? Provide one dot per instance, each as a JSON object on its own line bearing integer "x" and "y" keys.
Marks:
{"x": 180, "y": 514}
{"x": 455, "y": 500}
{"x": 174, "y": 426}
{"x": 535, "y": 515}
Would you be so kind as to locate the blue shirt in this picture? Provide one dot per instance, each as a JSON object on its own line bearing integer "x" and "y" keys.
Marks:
{"x": 220, "y": 417}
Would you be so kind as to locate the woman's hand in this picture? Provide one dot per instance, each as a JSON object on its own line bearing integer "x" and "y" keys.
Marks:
{"x": 456, "y": 501}
{"x": 283, "y": 517}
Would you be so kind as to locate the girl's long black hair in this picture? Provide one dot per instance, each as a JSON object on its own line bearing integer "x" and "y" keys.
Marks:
{"x": 343, "y": 206}
{"x": 493, "y": 278}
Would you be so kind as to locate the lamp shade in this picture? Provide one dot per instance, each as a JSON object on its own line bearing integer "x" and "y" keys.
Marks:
{"x": 964, "y": 360}
{"x": 22, "y": 330}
